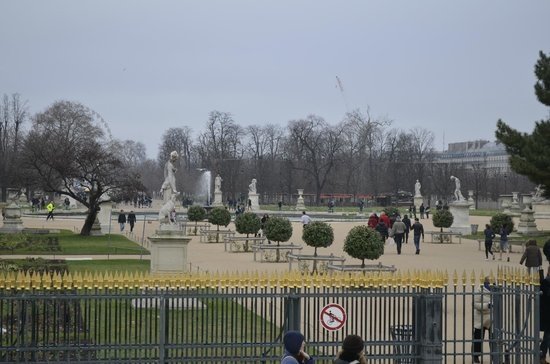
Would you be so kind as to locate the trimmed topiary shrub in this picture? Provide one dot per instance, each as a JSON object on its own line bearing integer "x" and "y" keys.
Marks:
{"x": 362, "y": 242}
{"x": 247, "y": 223}
{"x": 278, "y": 229}
{"x": 219, "y": 216}
{"x": 318, "y": 234}
{"x": 442, "y": 219}
{"x": 499, "y": 219}
{"x": 391, "y": 211}
{"x": 196, "y": 213}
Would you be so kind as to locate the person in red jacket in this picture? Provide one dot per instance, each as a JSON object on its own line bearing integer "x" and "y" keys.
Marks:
{"x": 373, "y": 220}
{"x": 386, "y": 219}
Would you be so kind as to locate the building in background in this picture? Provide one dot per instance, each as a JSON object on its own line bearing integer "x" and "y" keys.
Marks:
{"x": 481, "y": 153}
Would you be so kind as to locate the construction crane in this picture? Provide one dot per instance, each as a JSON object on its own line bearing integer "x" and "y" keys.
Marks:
{"x": 339, "y": 85}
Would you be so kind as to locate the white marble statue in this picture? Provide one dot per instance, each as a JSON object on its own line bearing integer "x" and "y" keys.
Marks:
{"x": 218, "y": 184}
{"x": 167, "y": 209}
{"x": 252, "y": 186}
{"x": 457, "y": 194}
{"x": 417, "y": 187}
{"x": 538, "y": 195}
{"x": 169, "y": 185}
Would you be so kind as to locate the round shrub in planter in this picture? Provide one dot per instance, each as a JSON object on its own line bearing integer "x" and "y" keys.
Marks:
{"x": 278, "y": 229}
{"x": 247, "y": 223}
{"x": 498, "y": 220}
{"x": 196, "y": 213}
{"x": 318, "y": 234}
{"x": 219, "y": 216}
{"x": 442, "y": 219}
{"x": 362, "y": 242}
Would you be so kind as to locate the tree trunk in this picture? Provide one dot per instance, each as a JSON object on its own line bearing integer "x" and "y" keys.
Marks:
{"x": 89, "y": 222}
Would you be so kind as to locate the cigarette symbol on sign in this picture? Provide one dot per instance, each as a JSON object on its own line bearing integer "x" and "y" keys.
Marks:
{"x": 333, "y": 316}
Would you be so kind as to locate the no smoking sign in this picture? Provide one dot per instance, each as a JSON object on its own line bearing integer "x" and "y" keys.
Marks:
{"x": 333, "y": 317}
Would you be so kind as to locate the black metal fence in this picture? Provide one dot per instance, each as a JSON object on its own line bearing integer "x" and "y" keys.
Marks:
{"x": 416, "y": 318}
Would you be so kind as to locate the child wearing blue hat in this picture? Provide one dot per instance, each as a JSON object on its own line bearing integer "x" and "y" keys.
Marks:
{"x": 294, "y": 343}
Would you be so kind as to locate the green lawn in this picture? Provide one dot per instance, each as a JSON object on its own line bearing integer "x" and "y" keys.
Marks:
{"x": 113, "y": 265}
{"x": 67, "y": 242}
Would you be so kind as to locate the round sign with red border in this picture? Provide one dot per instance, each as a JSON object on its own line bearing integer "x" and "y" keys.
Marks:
{"x": 333, "y": 317}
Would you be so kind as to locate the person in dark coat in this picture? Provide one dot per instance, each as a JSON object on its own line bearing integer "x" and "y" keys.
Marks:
{"x": 489, "y": 236}
{"x": 382, "y": 229}
{"x": 294, "y": 343}
{"x": 407, "y": 223}
{"x": 352, "y": 351}
{"x": 532, "y": 256}
{"x": 544, "y": 314}
{"x": 121, "y": 220}
{"x": 131, "y": 220}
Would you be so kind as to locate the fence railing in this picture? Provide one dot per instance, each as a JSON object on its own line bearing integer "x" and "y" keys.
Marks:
{"x": 419, "y": 317}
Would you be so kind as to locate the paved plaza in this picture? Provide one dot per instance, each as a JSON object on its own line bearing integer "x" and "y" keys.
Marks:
{"x": 212, "y": 257}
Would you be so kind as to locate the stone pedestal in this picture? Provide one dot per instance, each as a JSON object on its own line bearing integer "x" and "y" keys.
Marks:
{"x": 471, "y": 201}
{"x": 254, "y": 200}
{"x": 300, "y": 206}
{"x": 96, "y": 228}
{"x": 169, "y": 250}
{"x": 526, "y": 199}
{"x": 542, "y": 209}
{"x": 505, "y": 203}
{"x": 527, "y": 224}
{"x": 104, "y": 217}
{"x": 461, "y": 217}
{"x": 514, "y": 205}
{"x": 12, "y": 223}
{"x": 418, "y": 200}
{"x": 218, "y": 199}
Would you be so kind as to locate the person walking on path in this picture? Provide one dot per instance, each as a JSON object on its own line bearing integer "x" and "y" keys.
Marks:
{"x": 131, "y": 220}
{"x": 418, "y": 231}
{"x": 398, "y": 231}
{"x": 532, "y": 256}
{"x": 421, "y": 209}
{"x": 373, "y": 221}
{"x": 427, "y": 211}
{"x": 51, "y": 208}
{"x": 544, "y": 314}
{"x": 504, "y": 242}
{"x": 294, "y": 344}
{"x": 352, "y": 351}
{"x": 382, "y": 230}
{"x": 489, "y": 236}
{"x": 121, "y": 220}
{"x": 384, "y": 217}
{"x": 407, "y": 223}
{"x": 305, "y": 218}
{"x": 482, "y": 317}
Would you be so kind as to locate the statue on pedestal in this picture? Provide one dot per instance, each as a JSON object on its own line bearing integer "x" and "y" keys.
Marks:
{"x": 252, "y": 186}
{"x": 218, "y": 184}
{"x": 169, "y": 185}
{"x": 417, "y": 187}
{"x": 457, "y": 194}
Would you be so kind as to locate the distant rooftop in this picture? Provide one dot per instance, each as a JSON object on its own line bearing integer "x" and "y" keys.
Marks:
{"x": 473, "y": 146}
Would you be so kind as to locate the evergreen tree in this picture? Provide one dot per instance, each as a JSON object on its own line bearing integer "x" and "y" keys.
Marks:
{"x": 530, "y": 153}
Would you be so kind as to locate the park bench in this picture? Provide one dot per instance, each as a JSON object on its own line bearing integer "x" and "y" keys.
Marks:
{"x": 512, "y": 244}
{"x": 214, "y": 235}
{"x": 191, "y": 229}
{"x": 269, "y": 251}
{"x": 241, "y": 243}
{"x": 304, "y": 259}
{"x": 447, "y": 236}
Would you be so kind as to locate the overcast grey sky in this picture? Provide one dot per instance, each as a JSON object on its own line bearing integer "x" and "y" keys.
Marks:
{"x": 453, "y": 67}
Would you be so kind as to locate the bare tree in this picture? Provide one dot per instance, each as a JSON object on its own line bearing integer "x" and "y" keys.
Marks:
{"x": 71, "y": 154}
{"x": 13, "y": 113}
{"x": 315, "y": 147}
{"x": 180, "y": 140}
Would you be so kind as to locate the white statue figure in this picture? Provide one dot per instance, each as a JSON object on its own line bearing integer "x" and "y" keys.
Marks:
{"x": 252, "y": 186}
{"x": 539, "y": 191}
{"x": 457, "y": 194}
{"x": 417, "y": 187}
{"x": 166, "y": 210}
{"x": 218, "y": 183}
{"x": 169, "y": 185}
